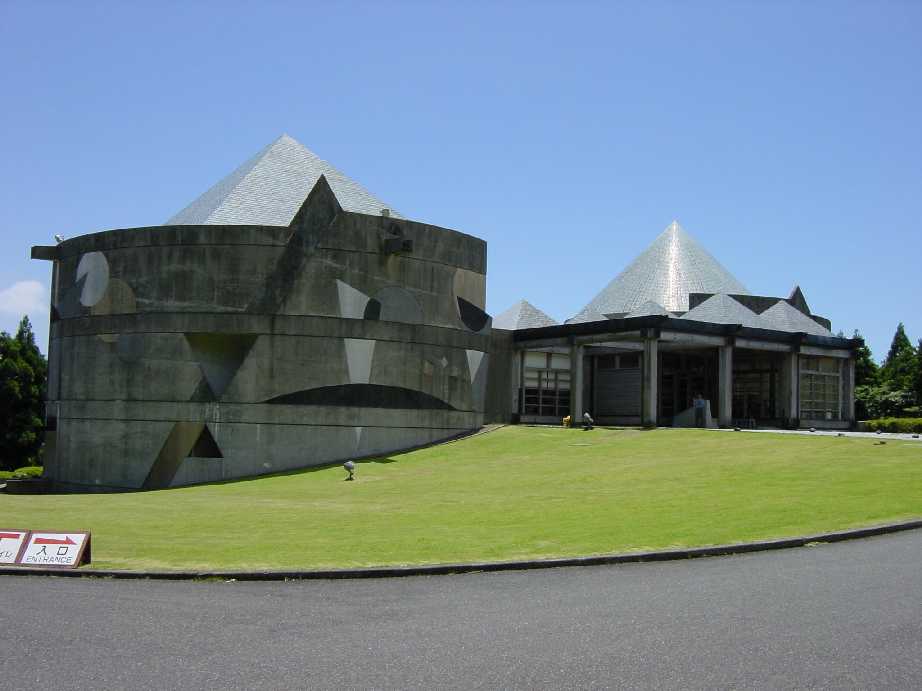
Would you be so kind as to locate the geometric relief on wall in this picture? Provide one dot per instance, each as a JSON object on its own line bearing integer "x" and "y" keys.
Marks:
{"x": 219, "y": 357}
{"x": 391, "y": 303}
{"x": 358, "y": 439}
{"x": 472, "y": 316}
{"x": 359, "y": 355}
{"x": 363, "y": 396}
{"x": 186, "y": 440}
{"x": 352, "y": 302}
{"x": 474, "y": 362}
{"x": 395, "y": 304}
{"x": 470, "y": 298}
{"x": 92, "y": 278}
{"x": 477, "y": 367}
{"x": 119, "y": 298}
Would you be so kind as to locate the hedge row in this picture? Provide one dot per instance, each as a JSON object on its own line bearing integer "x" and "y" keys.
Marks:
{"x": 21, "y": 473}
{"x": 904, "y": 425}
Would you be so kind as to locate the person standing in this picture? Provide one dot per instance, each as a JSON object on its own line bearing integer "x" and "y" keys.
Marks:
{"x": 700, "y": 407}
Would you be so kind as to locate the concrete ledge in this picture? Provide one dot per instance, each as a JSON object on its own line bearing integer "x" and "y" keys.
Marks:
{"x": 444, "y": 569}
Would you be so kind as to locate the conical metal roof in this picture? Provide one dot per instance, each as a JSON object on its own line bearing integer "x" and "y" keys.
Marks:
{"x": 522, "y": 315}
{"x": 270, "y": 188}
{"x": 673, "y": 266}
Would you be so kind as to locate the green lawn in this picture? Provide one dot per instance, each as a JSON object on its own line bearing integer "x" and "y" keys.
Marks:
{"x": 518, "y": 492}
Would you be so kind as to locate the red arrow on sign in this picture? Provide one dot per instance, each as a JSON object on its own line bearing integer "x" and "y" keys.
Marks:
{"x": 52, "y": 541}
{"x": 11, "y": 536}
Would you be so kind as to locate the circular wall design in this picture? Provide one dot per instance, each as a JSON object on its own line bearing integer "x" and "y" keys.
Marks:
{"x": 93, "y": 271}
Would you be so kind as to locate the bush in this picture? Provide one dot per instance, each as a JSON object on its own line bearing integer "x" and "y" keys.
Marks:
{"x": 876, "y": 402}
{"x": 903, "y": 425}
{"x": 31, "y": 471}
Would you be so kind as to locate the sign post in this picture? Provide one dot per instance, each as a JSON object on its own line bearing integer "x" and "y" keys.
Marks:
{"x": 44, "y": 548}
{"x": 11, "y": 544}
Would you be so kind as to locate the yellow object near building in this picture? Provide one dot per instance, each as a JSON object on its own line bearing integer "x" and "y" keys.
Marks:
{"x": 566, "y": 421}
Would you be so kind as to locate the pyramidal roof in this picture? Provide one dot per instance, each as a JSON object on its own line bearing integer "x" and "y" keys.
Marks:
{"x": 650, "y": 308}
{"x": 522, "y": 315}
{"x": 722, "y": 309}
{"x": 270, "y": 188}
{"x": 673, "y": 266}
{"x": 782, "y": 316}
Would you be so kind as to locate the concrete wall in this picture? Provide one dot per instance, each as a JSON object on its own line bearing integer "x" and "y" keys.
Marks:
{"x": 188, "y": 354}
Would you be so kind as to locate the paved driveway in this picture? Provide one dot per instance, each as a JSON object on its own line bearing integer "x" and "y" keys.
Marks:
{"x": 834, "y": 616}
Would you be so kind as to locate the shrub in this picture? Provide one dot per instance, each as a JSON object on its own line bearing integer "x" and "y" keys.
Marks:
{"x": 28, "y": 472}
{"x": 876, "y": 402}
{"x": 903, "y": 425}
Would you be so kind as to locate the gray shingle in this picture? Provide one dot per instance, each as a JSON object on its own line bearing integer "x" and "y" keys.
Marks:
{"x": 650, "y": 308}
{"x": 782, "y": 316}
{"x": 722, "y": 309}
{"x": 270, "y": 187}
{"x": 673, "y": 266}
{"x": 522, "y": 315}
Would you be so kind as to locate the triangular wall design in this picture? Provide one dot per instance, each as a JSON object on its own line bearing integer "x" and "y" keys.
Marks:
{"x": 474, "y": 362}
{"x": 352, "y": 302}
{"x": 219, "y": 356}
{"x": 359, "y": 354}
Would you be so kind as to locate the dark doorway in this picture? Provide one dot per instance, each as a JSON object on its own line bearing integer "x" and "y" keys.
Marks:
{"x": 682, "y": 375}
{"x": 756, "y": 383}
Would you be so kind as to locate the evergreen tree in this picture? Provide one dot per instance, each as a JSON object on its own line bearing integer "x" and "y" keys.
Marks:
{"x": 898, "y": 370}
{"x": 23, "y": 373}
{"x": 919, "y": 374}
{"x": 866, "y": 370}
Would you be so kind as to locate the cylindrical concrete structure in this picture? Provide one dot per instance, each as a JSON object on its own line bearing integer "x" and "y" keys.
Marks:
{"x": 186, "y": 354}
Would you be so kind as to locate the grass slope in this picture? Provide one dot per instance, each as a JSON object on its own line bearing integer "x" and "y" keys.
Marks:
{"x": 518, "y": 492}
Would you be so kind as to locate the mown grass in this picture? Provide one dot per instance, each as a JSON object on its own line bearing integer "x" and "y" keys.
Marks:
{"x": 518, "y": 492}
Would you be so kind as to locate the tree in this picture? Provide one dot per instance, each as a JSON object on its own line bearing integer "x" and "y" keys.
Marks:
{"x": 866, "y": 370}
{"x": 899, "y": 369}
{"x": 919, "y": 374}
{"x": 23, "y": 373}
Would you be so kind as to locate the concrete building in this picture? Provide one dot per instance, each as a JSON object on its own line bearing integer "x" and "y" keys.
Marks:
{"x": 289, "y": 318}
{"x": 674, "y": 324}
{"x": 286, "y": 318}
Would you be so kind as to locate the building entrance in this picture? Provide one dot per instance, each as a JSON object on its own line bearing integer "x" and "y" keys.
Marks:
{"x": 682, "y": 375}
{"x": 756, "y": 385}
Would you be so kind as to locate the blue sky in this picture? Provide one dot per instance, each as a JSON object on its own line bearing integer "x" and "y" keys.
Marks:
{"x": 784, "y": 136}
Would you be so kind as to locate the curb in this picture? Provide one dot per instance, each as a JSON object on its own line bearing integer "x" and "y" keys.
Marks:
{"x": 446, "y": 569}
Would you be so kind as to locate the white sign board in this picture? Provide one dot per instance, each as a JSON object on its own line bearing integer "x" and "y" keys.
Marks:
{"x": 11, "y": 542}
{"x": 56, "y": 549}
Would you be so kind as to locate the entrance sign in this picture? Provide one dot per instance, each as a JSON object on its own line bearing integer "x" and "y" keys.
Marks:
{"x": 55, "y": 550}
{"x": 11, "y": 543}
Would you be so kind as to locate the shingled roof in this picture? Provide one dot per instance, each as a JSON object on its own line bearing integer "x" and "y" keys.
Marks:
{"x": 783, "y": 316}
{"x": 723, "y": 309}
{"x": 270, "y": 188}
{"x": 673, "y": 266}
{"x": 522, "y": 315}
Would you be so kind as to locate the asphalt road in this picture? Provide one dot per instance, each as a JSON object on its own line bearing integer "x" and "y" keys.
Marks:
{"x": 833, "y": 616}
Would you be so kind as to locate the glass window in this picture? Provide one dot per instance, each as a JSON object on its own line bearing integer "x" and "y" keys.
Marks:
{"x": 538, "y": 360}
{"x": 560, "y": 361}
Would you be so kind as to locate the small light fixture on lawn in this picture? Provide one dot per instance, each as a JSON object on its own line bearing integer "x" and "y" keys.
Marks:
{"x": 350, "y": 468}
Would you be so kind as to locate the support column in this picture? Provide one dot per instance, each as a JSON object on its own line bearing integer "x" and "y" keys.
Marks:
{"x": 725, "y": 386}
{"x": 790, "y": 399}
{"x": 520, "y": 395}
{"x": 576, "y": 383}
{"x": 650, "y": 373}
{"x": 848, "y": 390}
